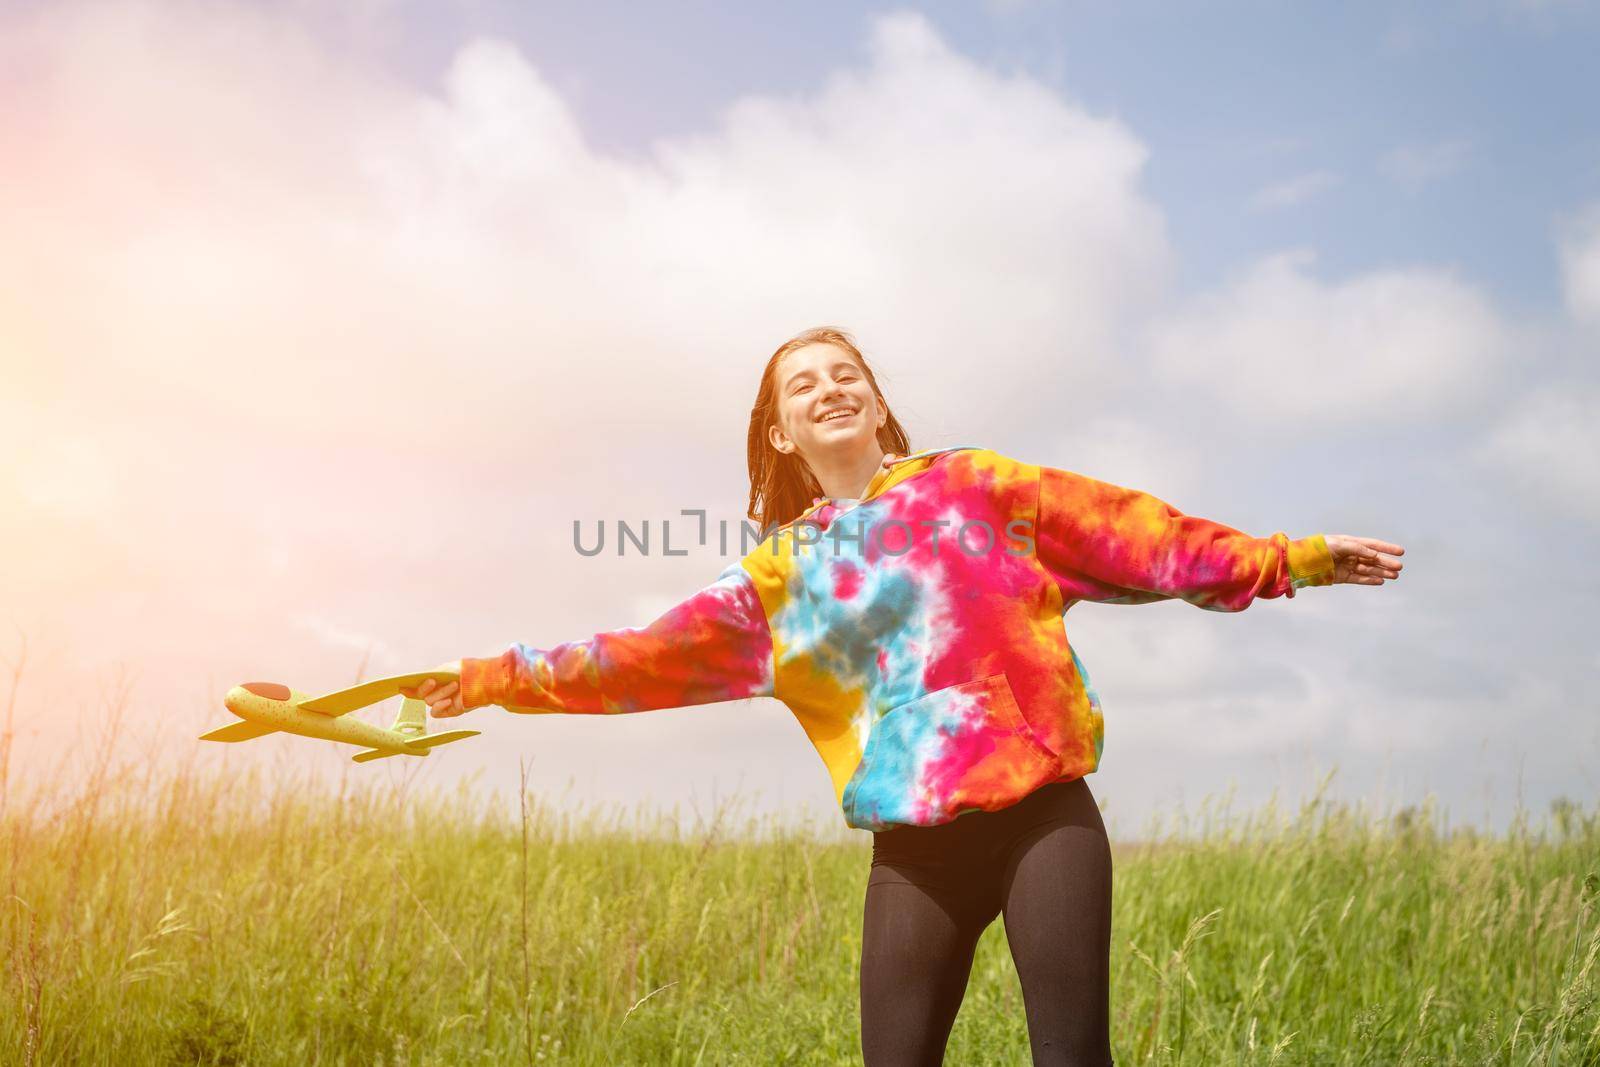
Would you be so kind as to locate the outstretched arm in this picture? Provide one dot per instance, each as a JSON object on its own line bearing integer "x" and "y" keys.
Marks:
{"x": 714, "y": 646}
{"x": 1115, "y": 545}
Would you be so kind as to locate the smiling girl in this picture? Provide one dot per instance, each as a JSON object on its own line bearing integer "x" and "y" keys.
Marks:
{"x": 908, "y": 607}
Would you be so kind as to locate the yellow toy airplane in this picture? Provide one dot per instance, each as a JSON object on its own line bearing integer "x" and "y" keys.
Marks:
{"x": 267, "y": 708}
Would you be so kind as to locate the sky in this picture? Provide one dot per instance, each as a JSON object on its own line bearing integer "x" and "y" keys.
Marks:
{"x": 320, "y": 325}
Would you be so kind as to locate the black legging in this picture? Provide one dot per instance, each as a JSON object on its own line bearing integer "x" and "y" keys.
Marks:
{"x": 1045, "y": 863}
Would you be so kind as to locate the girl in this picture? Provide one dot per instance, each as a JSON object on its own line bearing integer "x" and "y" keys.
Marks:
{"x": 908, "y": 608}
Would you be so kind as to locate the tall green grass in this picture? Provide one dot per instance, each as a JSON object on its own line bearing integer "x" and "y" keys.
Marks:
{"x": 196, "y": 918}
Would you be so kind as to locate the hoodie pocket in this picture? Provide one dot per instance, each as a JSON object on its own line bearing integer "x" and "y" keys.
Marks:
{"x": 961, "y": 747}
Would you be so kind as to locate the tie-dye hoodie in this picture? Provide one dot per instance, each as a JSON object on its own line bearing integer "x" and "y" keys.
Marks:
{"x": 918, "y": 633}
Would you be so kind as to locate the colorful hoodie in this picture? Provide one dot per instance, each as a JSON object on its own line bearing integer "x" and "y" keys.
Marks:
{"x": 932, "y": 673}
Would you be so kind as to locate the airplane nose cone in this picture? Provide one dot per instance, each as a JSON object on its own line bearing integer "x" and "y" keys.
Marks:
{"x": 239, "y": 697}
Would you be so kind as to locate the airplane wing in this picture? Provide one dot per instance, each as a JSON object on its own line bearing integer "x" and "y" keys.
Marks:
{"x": 416, "y": 747}
{"x": 345, "y": 701}
{"x": 243, "y": 730}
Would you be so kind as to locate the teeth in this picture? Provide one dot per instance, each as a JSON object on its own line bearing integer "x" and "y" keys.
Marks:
{"x": 837, "y": 413}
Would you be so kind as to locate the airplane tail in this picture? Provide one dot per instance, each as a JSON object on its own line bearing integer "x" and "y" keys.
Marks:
{"x": 412, "y": 723}
{"x": 413, "y": 718}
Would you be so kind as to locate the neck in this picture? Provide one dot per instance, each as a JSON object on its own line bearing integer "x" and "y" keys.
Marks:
{"x": 845, "y": 477}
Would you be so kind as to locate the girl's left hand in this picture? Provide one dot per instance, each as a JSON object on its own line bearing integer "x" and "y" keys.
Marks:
{"x": 443, "y": 700}
{"x": 1363, "y": 560}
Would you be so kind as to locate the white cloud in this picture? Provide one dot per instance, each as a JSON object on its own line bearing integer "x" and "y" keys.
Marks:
{"x": 1128, "y": 451}
{"x": 275, "y": 206}
{"x": 1296, "y": 190}
{"x": 1276, "y": 344}
{"x": 1172, "y": 671}
{"x": 1416, "y": 165}
{"x": 1579, "y": 248}
{"x": 1546, "y": 447}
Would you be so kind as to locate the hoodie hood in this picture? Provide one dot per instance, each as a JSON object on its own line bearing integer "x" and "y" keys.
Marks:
{"x": 896, "y": 472}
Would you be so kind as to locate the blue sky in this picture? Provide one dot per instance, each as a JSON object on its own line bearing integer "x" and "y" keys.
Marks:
{"x": 386, "y": 295}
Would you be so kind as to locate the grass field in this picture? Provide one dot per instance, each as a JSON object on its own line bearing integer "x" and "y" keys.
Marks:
{"x": 203, "y": 919}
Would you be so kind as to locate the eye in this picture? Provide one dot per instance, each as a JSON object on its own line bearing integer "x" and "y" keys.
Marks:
{"x": 801, "y": 389}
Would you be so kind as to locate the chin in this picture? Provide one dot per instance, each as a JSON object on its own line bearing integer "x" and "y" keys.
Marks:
{"x": 851, "y": 441}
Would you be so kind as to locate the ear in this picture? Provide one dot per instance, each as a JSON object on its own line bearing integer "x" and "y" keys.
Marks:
{"x": 779, "y": 439}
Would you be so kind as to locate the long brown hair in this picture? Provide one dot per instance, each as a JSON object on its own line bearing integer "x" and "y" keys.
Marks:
{"x": 781, "y": 484}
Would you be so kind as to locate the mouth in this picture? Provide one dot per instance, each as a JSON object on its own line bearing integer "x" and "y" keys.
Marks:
{"x": 837, "y": 414}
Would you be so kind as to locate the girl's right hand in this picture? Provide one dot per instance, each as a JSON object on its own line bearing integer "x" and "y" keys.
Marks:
{"x": 443, "y": 700}
{"x": 1364, "y": 560}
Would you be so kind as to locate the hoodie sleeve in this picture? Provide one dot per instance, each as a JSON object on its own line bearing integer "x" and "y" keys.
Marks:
{"x": 714, "y": 646}
{"x": 1114, "y": 545}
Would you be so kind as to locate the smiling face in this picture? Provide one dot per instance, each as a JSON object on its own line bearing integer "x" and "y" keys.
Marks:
{"x": 825, "y": 405}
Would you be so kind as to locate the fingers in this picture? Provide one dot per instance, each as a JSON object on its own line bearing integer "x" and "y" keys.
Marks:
{"x": 1374, "y": 570}
{"x": 1367, "y": 560}
{"x": 1374, "y": 562}
{"x": 1366, "y": 542}
{"x": 1372, "y": 548}
{"x": 1382, "y": 559}
{"x": 446, "y": 700}
{"x": 1357, "y": 564}
{"x": 1382, "y": 546}
{"x": 1369, "y": 575}
{"x": 443, "y": 700}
